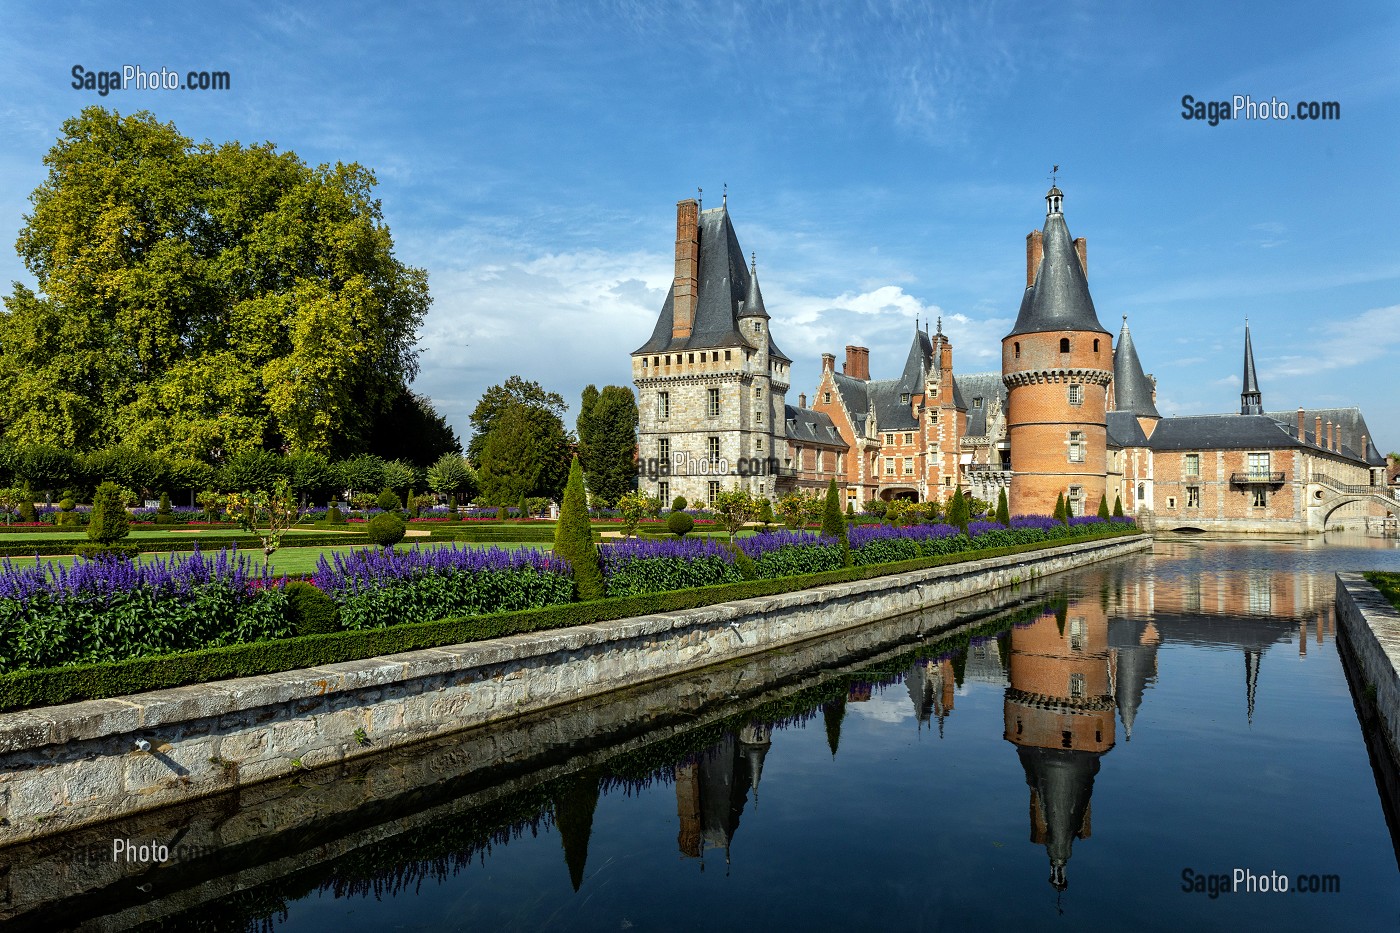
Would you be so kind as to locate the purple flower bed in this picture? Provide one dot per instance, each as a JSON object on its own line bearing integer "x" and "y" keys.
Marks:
{"x": 785, "y": 553}
{"x": 655, "y": 565}
{"x": 375, "y": 587}
{"x": 112, "y": 609}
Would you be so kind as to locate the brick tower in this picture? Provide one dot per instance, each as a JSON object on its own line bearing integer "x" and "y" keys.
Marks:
{"x": 1057, "y": 364}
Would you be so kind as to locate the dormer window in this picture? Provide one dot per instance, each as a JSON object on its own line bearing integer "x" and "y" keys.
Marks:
{"x": 977, "y": 403}
{"x": 904, "y": 399}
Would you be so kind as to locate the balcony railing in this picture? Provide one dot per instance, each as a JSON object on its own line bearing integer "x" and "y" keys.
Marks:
{"x": 1340, "y": 486}
{"x": 1257, "y": 478}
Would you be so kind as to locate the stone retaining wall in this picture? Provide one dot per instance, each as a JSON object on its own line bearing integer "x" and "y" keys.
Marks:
{"x": 1372, "y": 627}
{"x": 74, "y": 765}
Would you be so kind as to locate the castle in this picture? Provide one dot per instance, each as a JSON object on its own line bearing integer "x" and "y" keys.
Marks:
{"x": 1071, "y": 414}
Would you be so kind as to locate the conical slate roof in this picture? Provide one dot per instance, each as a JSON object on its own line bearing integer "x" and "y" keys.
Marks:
{"x": 1251, "y": 403}
{"x": 1132, "y": 390}
{"x": 1059, "y": 299}
{"x": 753, "y": 302}
{"x": 1063, "y": 780}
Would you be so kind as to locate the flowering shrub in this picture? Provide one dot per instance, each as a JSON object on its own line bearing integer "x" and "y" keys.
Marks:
{"x": 375, "y": 587}
{"x": 879, "y": 544}
{"x": 655, "y": 565}
{"x": 112, "y": 609}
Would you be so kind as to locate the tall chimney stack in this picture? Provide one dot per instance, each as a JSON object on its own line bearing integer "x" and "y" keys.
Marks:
{"x": 686, "y": 288}
{"x": 828, "y": 362}
{"x": 1300, "y": 425}
{"x": 1317, "y": 430}
{"x": 857, "y": 364}
{"x": 802, "y": 400}
{"x": 1034, "y": 249}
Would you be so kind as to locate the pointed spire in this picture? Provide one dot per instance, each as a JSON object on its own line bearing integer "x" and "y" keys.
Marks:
{"x": 1251, "y": 681}
{"x": 1251, "y": 403}
{"x": 753, "y": 304}
{"x": 832, "y": 714}
{"x": 573, "y": 816}
{"x": 1132, "y": 391}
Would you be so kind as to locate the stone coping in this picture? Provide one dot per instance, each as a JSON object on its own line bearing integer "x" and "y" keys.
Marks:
{"x": 95, "y": 719}
{"x": 1372, "y": 625}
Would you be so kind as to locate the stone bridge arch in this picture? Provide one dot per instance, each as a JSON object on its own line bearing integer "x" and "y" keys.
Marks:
{"x": 1326, "y": 496}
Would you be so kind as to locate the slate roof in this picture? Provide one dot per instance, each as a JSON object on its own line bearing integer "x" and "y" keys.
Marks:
{"x": 1132, "y": 390}
{"x": 1353, "y": 426}
{"x": 1250, "y": 401}
{"x": 1059, "y": 299}
{"x": 917, "y": 364}
{"x": 1221, "y": 432}
{"x": 986, "y": 386}
{"x": 723, "y": 288}
{"x": 1124, "y": 430}
{"x": 891, "y": 414}
{"x": 805, "y": 426}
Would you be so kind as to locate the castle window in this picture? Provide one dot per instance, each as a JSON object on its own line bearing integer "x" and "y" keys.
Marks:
{"x": 1096, "y": 345}
{"x": 758, "y": 417}
{"x": 712, "y": 448}
{"x": 1191, "y": 465}
{"x": 644, "y": 362}
{"x": 758, "y": 445}
{"x": 1259, "y": 465}
{"x": 726, "y": 355}
{"x": 1076, "y": 634}
{"x": 947, "y": 481}
{"x": 933, "y": 416}
{"x": 758, "y": 391}
{"x": 656, "y": 360}
{"x": 1076, "y": 686}
{"x": 712, "y": 403}
{"x": 1075, "y": 502}
{"x": 668, "y": 359}
{"x": 826, "y": 398}
{"x": 663, "y": 406}
{"x": 1017, "y": 346}
{"x": 1171, "y": 502}
{"x": 1141, "y": 491}
{"x": 663, "y": 492}
{"x": 908, "y": 466}
{"x": 663, "y": 449}
{"x": 977, "y": 402}
{"x": 889, "y": 466}
{"x": 1076, "y": 395}
{"x": 1076, "y": 447}
{"x": 904, "y": 399}
{"x": 713, "y": 491}
{"x": 758, "y": 327}
{"x": 1193, "y": 497}
{"x": 1064, "y": 344}
{"x": 692, "y": 357}
{"x": 889, "y": 438}
{"x": 1261, "y": 497}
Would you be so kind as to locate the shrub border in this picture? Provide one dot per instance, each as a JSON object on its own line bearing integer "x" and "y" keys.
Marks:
{"x": 176, "y": 544}
{"x": 74, "y": 683}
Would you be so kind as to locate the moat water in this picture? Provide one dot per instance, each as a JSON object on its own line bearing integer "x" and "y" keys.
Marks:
{"x": 1079, "y": 759}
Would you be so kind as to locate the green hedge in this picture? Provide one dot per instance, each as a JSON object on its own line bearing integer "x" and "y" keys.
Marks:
{"x": 51, "y": 686}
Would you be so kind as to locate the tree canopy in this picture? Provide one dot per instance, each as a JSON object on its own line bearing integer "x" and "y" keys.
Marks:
{"x": 525, "y": 454}
{"x": 607, "y": 435}
{"x": 199, "y": 300}
{"x": 494, "y": 402}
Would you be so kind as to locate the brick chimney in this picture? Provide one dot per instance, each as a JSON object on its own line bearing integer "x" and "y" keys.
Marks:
{"x": 1300, "y": 424}
{"x": 857, "y": 364}
{"x": 1317, "y": 430}
{"x": 686, "y": 288}
{"x": 1329, "y": 436}
{"x": 1034, "y": 250}
{"x": 1362, "y": 452}
{"x": 828, "y": 362}
{"x": 945, "y": 358}
{"x": 1082, "y": 248}
{"x": 802, "y": 400}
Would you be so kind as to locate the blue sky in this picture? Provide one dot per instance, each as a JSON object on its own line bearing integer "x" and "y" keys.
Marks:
{"x": 885, "y": 160}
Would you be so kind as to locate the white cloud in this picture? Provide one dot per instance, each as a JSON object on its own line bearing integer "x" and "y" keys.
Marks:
{"x": 885, "y": 707}
{"x": 1345, "y": 342}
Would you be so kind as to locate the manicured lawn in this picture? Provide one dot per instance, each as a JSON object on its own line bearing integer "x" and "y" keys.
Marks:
{"x": 293, "y": 560}
{"x": 81, "y": 535}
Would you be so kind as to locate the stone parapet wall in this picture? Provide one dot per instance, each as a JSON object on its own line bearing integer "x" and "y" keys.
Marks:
{"x": 1372, "y": 627}
{"x": 70, "y": 766}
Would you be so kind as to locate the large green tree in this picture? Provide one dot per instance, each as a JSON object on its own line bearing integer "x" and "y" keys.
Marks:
{"x": 203, "y": 299}
{"x": 607, "y": 435}
{"x": 497, "y": 399}
{"x": 526, "y": 454}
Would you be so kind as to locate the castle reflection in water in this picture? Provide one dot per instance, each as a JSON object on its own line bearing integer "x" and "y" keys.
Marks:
{"x": 1075, "y": 680}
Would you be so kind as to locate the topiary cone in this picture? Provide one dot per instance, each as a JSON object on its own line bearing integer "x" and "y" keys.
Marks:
{"x": 573, "y": 538}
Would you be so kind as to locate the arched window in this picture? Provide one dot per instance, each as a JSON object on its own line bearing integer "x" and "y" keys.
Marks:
{"x": 1017, "y": 345}
{"x": 1096, "y": 345}
{"x": 1142, "y": 492}
{"x": 1064, "y": 344}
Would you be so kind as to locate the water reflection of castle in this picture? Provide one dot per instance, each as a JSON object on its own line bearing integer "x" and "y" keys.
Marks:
{"x": 1073, "y": 679}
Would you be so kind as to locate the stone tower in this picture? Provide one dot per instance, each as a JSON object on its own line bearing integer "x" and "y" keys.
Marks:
{"x": 711, "y": 384}
{"x": 1057, "y": 364}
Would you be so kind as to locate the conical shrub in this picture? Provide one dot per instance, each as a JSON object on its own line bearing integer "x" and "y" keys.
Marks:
{"x": 573, "y": 538}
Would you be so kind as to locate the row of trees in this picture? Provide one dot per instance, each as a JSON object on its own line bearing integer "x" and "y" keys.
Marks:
{"x": 521, "y": 449}
{"x": 53, "y": 472}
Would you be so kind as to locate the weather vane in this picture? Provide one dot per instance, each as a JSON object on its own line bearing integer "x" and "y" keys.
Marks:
{"x": 724, "y": 201}
{"x": 1053, "y": 172}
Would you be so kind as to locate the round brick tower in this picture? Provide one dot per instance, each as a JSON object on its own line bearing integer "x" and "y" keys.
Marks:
{"x": 1057, "y": 364}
